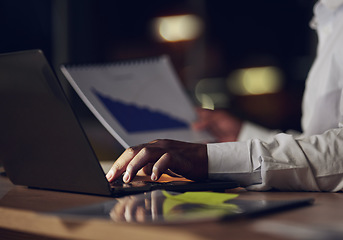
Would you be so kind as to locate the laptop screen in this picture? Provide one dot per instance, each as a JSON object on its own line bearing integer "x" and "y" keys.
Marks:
{"x": 42, "y": 143}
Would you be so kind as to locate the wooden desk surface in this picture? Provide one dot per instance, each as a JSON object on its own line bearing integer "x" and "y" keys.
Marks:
{"x": 21, "y": 218}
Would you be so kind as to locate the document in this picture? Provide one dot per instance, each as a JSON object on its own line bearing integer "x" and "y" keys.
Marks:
{"x": 137, "y": 101}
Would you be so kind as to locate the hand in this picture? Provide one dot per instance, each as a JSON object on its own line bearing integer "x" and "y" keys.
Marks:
{"x": 223, "y": 126}
{"x": 162, "y": 156}
{"x": 129, "y": 209}
{"x": 136, "y": 208}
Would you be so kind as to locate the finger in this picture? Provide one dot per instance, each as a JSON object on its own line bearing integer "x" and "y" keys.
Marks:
{"x": 141, "y": 214}
{"x": 155, "y": 206}
{"x": 117, "y": 212}
{"x": 173, "y": 174}
{"x": 119, "y": 166}
{"x": 146, "y": 170}
{"x": 145, "y": 156}
{"x": 161, "y": 166}
{"x": 131, "y": 208}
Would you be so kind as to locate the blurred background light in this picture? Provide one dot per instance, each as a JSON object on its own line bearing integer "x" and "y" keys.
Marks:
{"x": 206, "y": 101}
{"x": 177, "y": 28}
{"x": 211, "y": 94}
{"x": 255, "y": 81}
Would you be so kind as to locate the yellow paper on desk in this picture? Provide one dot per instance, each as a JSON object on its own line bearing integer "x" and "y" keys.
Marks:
{"x": 197, "y": 205}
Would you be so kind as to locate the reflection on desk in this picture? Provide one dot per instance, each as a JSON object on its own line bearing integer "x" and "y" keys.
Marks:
{"x": 23, "y": 215}
{"x": 163, "y": 207}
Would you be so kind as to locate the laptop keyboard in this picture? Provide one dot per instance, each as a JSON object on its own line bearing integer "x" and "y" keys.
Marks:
{"x": 120, "y": 183}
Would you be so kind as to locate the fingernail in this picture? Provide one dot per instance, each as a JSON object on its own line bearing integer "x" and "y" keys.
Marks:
{"x": 153, "y": 177}
{"x": 109, "y": 175}
{"x": 126, "y": 177}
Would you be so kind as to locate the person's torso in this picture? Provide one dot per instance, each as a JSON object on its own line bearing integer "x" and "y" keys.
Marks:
{"x": 322, "y": 97}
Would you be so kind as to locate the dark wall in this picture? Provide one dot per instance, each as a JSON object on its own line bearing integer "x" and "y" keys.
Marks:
{"x": 25, "y": 25}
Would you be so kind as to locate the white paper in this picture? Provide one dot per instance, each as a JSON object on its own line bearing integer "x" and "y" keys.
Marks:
{"x": 136, "y": 101}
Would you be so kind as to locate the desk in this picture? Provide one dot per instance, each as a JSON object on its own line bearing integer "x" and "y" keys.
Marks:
{"x": 21, "y": 218}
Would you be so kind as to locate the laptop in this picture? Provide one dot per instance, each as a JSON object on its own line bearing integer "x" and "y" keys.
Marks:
{"x": 42, "y": 143}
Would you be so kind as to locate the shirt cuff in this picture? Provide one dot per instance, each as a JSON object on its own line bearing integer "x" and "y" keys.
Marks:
{"x": 232, "y": 161}
{"x": 230, "y": 157}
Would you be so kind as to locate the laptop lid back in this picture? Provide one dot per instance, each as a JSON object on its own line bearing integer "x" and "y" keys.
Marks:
{"x": 42, "y": 144}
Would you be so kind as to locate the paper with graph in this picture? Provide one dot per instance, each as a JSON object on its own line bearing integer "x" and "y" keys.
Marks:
{"x": 136, "y": 101}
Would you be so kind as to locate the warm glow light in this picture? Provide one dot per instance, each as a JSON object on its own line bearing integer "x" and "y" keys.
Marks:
{"x": 253, "y": 81}
{"x": 206, "y": 102}
{"x": 177, "y": 28}
{"x": 209, "y": 93}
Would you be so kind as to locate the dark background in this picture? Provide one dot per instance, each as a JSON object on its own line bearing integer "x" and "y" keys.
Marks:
{"x": 237, "y": 34}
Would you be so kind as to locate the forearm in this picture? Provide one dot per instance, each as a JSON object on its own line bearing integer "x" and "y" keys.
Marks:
{"x": 285, "y": 162}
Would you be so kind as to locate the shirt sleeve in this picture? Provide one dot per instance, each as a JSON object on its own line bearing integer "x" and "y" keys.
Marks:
{"x": 283, "y": 162}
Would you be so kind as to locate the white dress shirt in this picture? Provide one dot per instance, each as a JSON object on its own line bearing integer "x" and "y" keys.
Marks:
{"x": 313, "y": 161}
